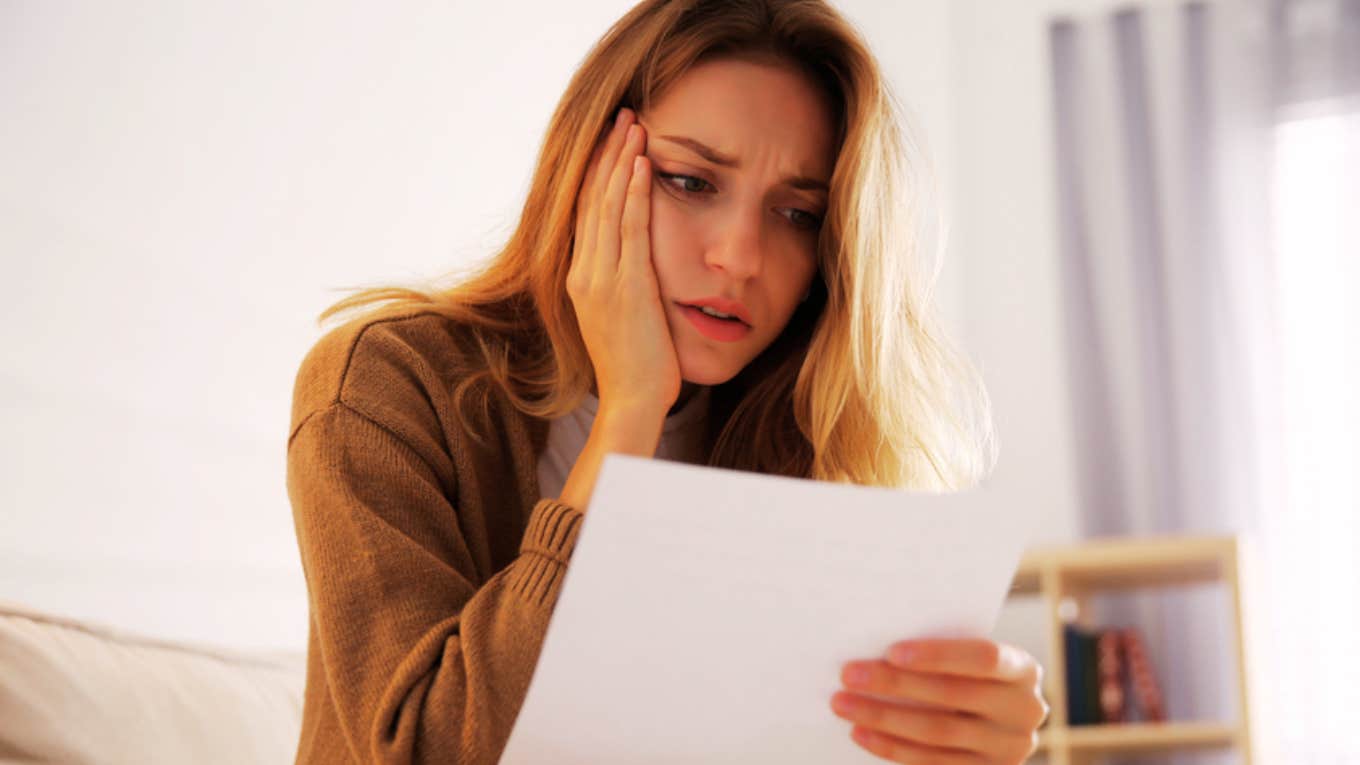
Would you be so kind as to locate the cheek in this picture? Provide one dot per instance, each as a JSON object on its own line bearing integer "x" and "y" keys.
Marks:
{"x": 787, "y": 295}
{"x": 673, "y": 237}
{"x": 799, "y": 269}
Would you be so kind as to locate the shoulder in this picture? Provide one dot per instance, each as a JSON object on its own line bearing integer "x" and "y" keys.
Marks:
{"x": 385, "y": 367}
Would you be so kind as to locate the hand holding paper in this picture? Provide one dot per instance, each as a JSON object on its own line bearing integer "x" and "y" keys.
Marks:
{"x": 981, "y": 697}
{"x": 706, "y": 614}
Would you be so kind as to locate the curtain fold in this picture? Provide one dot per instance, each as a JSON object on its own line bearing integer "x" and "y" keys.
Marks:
{"x": 1172, "y": 126}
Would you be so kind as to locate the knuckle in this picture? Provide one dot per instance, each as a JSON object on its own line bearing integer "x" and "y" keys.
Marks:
{"x": 943, "y": 730}
{"x": 871, "y": 715}
{"x": 1041, "y": 714}
{"x": 612, "y": 202}
{"x": 926, "y": 689}
{"x": 959, "y": 695}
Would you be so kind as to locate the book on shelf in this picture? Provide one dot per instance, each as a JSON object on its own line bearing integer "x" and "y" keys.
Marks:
{"x": 1083, "y": 703}
{"x": 1110, "y": 669}
{"x": 1108, "y": 674}
{"x": 1144, "y": 681}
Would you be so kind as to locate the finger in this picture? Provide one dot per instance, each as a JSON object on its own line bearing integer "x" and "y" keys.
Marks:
{"x": 583, "y": 239}
{"x": 583, "y": 195}
{"x": 601, "y": 140}
{"x": 895, "y": 749}
{"x": 636, "y": 242}
{"x": 607, "y": 238}
{"x": 946, "y": 692}
{"x": 589, "y": 195}
{"x": 957, "y": 734}
{"x": 590, "y": 183}
{"x": 613, "y": 147}
{"x": 978, "y": 658}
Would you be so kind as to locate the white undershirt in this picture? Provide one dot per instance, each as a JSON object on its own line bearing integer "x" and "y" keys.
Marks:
{"x": 681, "y": 439}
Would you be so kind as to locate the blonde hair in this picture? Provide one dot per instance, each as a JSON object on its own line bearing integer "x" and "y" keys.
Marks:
{"x": 861, "y": 386}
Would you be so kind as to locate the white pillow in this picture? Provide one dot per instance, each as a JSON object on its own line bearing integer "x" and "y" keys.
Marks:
{"x": 76, "y": 692}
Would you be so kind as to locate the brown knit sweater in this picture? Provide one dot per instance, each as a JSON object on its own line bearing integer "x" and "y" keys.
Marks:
{"x": 432, "y": 564}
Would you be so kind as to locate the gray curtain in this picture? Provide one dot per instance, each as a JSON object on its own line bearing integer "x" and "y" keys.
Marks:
{"x": 1179, "y": 128}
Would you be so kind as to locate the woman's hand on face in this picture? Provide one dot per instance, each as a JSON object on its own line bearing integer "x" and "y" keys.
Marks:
{"x": 611, "y": 280}
{"x": 973, "y": 701}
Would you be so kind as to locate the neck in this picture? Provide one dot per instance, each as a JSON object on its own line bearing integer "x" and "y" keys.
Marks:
{"x": 687, "y": 391}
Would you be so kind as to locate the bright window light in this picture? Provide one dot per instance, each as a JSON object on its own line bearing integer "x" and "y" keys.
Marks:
{"x": 1314, "y": 538}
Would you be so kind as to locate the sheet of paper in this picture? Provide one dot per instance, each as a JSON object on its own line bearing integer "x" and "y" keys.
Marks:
{"x": 706, "y": 613}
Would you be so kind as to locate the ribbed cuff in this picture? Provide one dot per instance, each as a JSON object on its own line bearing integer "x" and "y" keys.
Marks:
{"x": 545, "y": 550}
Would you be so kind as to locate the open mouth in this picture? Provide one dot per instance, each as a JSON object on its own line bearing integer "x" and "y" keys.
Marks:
{"x": 718, "y": 328}
{"x": 712, "y": 314}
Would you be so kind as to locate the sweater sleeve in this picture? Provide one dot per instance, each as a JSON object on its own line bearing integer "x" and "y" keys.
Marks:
{"x": 423, "y": 662}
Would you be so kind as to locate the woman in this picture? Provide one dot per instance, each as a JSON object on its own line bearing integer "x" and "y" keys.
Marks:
{"x": 716, "y": 263}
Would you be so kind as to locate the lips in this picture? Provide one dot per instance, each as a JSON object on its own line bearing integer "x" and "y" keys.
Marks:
{"x": 722, "y": 330}
{"x": 723, "y": 305}
{"x": 734, "y": 319}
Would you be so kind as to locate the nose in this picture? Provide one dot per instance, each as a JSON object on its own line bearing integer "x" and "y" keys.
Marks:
{"x": 738, "y": 248}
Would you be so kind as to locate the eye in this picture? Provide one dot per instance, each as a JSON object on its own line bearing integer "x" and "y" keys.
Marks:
{"x": 807, "y": 219}
{"x": 686, "y": 189}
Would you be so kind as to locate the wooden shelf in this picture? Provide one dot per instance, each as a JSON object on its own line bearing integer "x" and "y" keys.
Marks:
{"x": 1068, "y": 576}
{"x": 1133, "y": 737}
{"x": 1140, "y": 737}
{"x": 1118, "y": 564}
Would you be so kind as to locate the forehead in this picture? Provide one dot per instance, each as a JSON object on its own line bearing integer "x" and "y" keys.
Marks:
{"x": 749, "y": 109}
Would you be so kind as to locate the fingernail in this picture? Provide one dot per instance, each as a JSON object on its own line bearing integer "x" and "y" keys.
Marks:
{"x": 856, "y": 676}
{"x": 623, "y": 112}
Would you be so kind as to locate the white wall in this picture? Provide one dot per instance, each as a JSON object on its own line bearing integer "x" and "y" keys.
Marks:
{"x": 184, "y": 186}
{"x": 1006, "y": 242}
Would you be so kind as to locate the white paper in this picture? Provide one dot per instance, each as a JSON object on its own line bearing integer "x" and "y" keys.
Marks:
{"x": 706, "y": 613}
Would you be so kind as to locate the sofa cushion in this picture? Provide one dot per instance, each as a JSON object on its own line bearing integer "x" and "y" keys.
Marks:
{"x": 78, "y": 692}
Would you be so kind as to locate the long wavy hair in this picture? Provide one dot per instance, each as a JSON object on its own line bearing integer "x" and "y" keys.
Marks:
{"x": 861, "y": 386}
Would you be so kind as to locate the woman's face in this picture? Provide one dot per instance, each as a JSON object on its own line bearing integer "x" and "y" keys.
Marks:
{"x": 753, "y": 143}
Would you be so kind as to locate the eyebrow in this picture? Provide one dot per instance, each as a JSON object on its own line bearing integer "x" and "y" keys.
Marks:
{"x": 718, "y": 158}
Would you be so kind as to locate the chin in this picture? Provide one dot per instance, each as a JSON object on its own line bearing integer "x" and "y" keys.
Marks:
{"x": 706, "y": 370}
